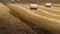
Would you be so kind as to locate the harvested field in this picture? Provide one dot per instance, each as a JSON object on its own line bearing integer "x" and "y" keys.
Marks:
{"x": 18, "y": 18}
{"x": 9, "y": 24}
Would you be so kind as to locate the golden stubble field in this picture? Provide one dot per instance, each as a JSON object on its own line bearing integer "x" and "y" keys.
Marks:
{"x": 19, "y": 18}
{"x": 45, "y": 18}
{"x": 9, "y": 24}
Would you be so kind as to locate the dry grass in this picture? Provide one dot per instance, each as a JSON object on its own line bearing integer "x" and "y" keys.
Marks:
{"x": 24, "y": 15}
{"x": 10, "y": 24}
{"x": 17, "y": 22}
